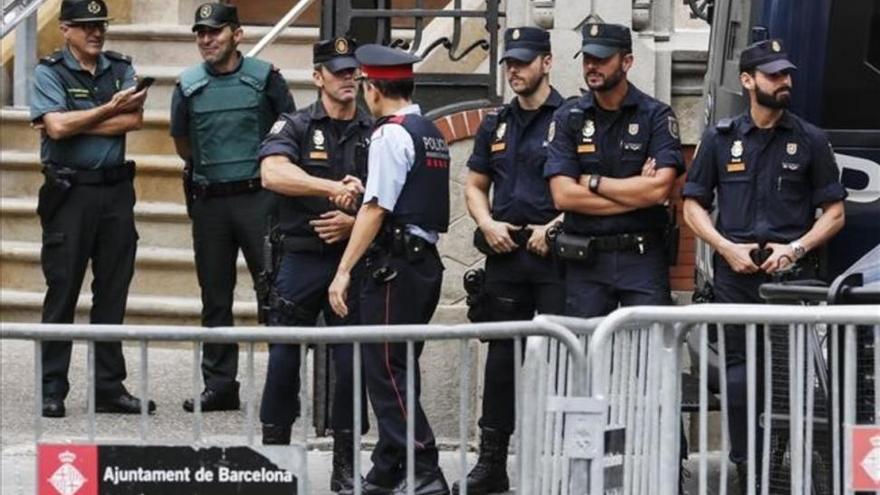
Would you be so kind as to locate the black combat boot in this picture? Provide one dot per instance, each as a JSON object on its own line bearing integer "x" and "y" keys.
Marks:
{"x": 276, "y": 434}
{"x": 490, "y": 473}
{"x": 342, "y": 479}
{"x": 742, "y": 473}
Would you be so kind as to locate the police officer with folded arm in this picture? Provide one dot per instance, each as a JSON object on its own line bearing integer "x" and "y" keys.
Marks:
{"x": 405, "y": 208}
{"x": 771, "y": 171}
{"x": 613, "y": 157}
{"x": 316, "y": 160}
{"x": 520, "y": 277}
{"x": 220, "y": 111}
{"x": 84, "y": 102}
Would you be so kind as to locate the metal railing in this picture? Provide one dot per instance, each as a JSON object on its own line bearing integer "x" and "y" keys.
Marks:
{"x": 291, "y": 16}
{"x": 16, "y": 11}
{"x": 21, "y": 15}
{"x": 358, "y": 335}
{"x": 635, "y": 362}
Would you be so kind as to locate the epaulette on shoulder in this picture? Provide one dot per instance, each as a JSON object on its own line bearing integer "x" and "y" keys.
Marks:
{"x": 724, "y": 125}
{"x": 121, "y": 57}
{"x": 52, "y": 58}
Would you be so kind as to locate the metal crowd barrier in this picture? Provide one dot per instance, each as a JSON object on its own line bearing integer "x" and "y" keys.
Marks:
{"x": 635, "y": 362}
{"x": 358, "y": 335}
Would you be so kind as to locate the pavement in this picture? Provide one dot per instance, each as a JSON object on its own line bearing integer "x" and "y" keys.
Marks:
{"x": 171, "y": 378}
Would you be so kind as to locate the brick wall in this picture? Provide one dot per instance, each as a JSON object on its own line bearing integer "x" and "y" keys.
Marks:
{"x": 463, "y": 125}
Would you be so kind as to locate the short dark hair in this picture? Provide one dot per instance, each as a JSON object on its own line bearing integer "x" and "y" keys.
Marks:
{"x": 401, "y": 89}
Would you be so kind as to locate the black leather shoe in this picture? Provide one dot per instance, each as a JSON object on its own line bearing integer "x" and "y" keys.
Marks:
{"x": 370, "y": 488}
{"x": 53, "y": 407}
{"x": 213, "y": 400}
{"x": 433, "y": 483}
{"x": 124, "y": 403}
{"x": 276, "y": 435}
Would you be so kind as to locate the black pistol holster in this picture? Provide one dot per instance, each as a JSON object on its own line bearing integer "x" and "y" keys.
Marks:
{"x": 188, "y": 186}
{"x": 53, "y": 192}
{"x": 479, "y": 305}
{"x": 266, "y": 277}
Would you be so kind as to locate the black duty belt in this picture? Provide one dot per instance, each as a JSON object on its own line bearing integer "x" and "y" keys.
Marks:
{"x": 104, "y": 175}
{"x": 291, "y": 244}
{"x": 226, "y": 188}
{"x": 638, "y": 242}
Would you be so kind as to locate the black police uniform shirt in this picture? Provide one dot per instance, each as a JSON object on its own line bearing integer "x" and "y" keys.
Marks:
{"x": 51, "y": 94}
{"x": 585, "y": 139}
{"x": 769, "y": 182}
{"x": 511, "y": 148}
{"x": 277, "y": 93}
{"x": 323, "y": 147}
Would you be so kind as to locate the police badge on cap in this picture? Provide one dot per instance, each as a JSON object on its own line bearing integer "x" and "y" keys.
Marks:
{"x": 82, "y": 11}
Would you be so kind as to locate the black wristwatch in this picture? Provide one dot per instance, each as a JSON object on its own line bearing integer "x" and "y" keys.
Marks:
{"x": 594, "y": 183}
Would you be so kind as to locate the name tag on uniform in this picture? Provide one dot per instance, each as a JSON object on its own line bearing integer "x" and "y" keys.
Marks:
{"x": 498, "y": 147}
{"x": 736, "y": 167}
{"x": 318, "y": 155}
{"x": 586, "y": 148}
{"x": 79, "y": 93}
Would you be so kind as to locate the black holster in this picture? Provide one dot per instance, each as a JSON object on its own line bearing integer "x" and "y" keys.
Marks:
{"x": 283, "y": 312}
{"x": 266, "y": 277}
{"x": 54, "y": 191}
{"x": 671, "y": 238}
{"x": 188, "y": 186}
{"x": 479, "y": 305}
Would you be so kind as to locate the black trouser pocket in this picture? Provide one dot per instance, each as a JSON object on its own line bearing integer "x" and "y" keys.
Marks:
{"x": 54, "y": 256}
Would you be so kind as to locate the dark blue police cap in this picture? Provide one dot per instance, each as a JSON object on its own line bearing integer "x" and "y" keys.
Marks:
{"x": 766, "y": 56}
{"x": 336, "y": 54}
{"x": 380, "y": 62}
{"x": 525, "y": 43}
{"x": 215, "y": 15}
{"x": 602, "y": 40}
{"x": 79, "y": 11}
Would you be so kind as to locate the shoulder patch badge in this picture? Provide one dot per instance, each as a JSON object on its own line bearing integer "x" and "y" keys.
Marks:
{"x": 673, "y": 127}
{"x": 278, "y": 127}
{"x": 551, "y": 132}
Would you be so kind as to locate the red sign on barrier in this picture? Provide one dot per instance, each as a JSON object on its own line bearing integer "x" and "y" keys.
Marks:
{"x": 67, "y": 469}
{"x": 865, "y": 474}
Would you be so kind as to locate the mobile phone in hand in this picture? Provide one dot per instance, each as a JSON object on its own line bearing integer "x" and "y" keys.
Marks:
{"x": 144, "y": 83}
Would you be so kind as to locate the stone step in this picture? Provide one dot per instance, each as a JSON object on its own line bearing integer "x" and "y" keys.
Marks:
{"x": 158, "y": 271}
{"x": 162, "y": 225}
{"x": 157, "y": 177}
{"x": 175, "y": 44}
{"x": 26, "y": 306}
{"x": 298, "y": 80}
{"x": 152, "y": 139}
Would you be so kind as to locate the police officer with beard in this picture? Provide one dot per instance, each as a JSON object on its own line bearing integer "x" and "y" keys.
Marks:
{"x": 613, "y": 157}
{"x": 220, "y": 111}
{"x": 770, "y": 170}
{"x": 520, "y": 278}
{"x": 316, "y": 161}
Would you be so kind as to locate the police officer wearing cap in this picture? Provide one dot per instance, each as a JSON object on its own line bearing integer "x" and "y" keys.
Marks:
{"x": 405, "y": 208}
{"x": 613, "y": 157}
{"x": 508, "y": 157}
{"x": 770, "y": 170}
{"x": 84, "y": 102}
{"x": 316, "y": 160}
{"x": 220, "y": 111}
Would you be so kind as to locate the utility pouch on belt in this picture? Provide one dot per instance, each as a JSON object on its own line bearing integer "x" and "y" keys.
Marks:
{"x": 54, "y": 191}
{"x": 569, "y": 247}
{"x": 482, "y": 244}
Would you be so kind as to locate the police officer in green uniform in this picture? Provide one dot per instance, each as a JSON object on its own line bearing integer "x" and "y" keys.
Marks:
{"x": 84, "y": 102}
{"x": 220, "y": 111}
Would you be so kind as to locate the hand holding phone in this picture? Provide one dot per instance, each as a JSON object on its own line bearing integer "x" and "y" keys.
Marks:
{"x": 144, "y": 83}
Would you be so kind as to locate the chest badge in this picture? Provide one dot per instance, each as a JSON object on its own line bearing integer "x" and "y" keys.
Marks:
{"x": 499, "y": 144}
{"x": 319, "y": 152}
{"x": 736, "y": 150}
{"x": 551, "y": 132}
{"x": 791, "y": 148}
{"x": 589, "y": 129}
{"x": 633, "y": 129}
